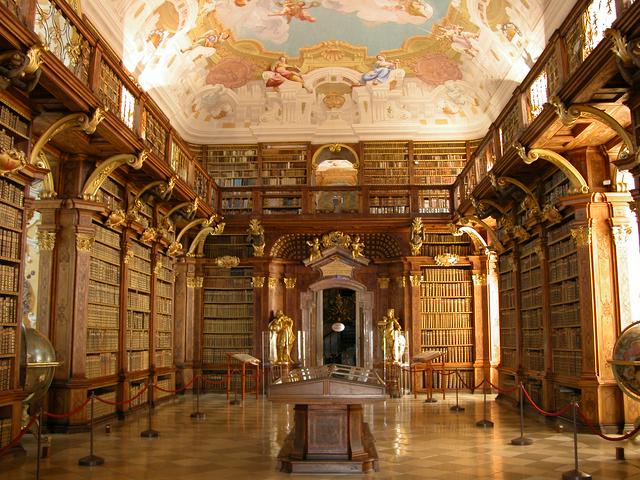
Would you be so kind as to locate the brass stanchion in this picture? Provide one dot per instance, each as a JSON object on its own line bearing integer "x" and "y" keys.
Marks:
{"x": 485, "y": 422}
{"x": 575, "y": 474}
{"x": 521, "y": 440}
{"x": 149, "y": 432}
{"x": 457, "y": 408}
{"x": 39, "y": 443}
{"x": 198, "y": 415}
{"x": 91, "y": 460}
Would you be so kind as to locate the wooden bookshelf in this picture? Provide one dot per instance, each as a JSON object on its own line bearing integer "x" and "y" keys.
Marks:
{"x": 12, "y": 222}
{"x": 230, "y": 165}
{"x": 228, "y": 314}
{"x": 385, "y": 202}
{"x": 282, "y": 202}
{"x": 112, "y": 195}
{"x": 434, "y": 201}
{"x": 446, "y": 319}
{"x": 154, "y": 134}
{"x": 508, "y": 315}
{"x": 14, "y": 127}
{"x": 236, "y": 202}
{"x": 531, "y": 307}
{"x": 385, "y": 163}
{"x": 164, "y": 320}
{"x": 138, "y": 307}
{"x": 438, "y": 163}
{"x": 283, "y": 164}
{"x": 227, "y": 245}
{"x": 103, "y": 309}
{"x": 434, "y": 243}
{"x": 108, "y": 393}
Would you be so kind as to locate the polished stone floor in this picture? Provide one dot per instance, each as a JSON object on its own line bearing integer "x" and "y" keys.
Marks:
{"x": 415, "y": 440}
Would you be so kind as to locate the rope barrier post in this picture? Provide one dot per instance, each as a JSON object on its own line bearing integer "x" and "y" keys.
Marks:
{"x": 39, "y": 445}
{"x": 619, "y": 453}
{"x": 457, "y": 408}
{"x": 485, "y": 422}
{"x": 149, "y": 432}
{"x": 198, "y": 415}
{"x": 521, "y": 440}
{"x": 575, "y": 474}
{"x": 91, "y": 460}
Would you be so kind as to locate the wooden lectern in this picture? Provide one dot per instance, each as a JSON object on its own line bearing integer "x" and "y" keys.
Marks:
{"x": 329, "y": 435}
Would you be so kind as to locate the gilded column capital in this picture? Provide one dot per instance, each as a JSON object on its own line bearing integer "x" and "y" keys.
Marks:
{"x": 479, "y": 279}
{"x": 258, "y": 282}
{"x": 401, "y": 281}
{"x": 581, "y": 235}
{"x": 84, "y": 242}
{"x": 415, "y": 280}
{"x": 383, "y": 282}
{"x": 290, "y": 282}
{"x": 195, "y": 282}
{"x": 273, "y": 282}
{"x": 46, "y": 241}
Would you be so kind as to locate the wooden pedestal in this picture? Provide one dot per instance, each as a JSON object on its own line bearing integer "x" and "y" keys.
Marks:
{"x": 328, "y": 438}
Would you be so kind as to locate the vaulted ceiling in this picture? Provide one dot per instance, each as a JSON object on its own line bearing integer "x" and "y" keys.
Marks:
{"x": 229, "y": 71}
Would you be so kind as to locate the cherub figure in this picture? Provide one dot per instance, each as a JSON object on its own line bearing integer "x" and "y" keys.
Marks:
{"x": 281, "y": 71}
{"x": 357, "y": 246}
{"x": 295, "y": 9}
{"x": 461, "y": 40}
{"x": 209, "y": 39}
{"x": 315, "y": 248}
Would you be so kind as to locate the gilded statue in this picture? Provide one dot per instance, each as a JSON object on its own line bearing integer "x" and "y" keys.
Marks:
{"x": 394, "y": 341}
{"x": 256, "y": 237}
{"x": 357, "y": 246}
{"x": 315, "y": 248}
{"x": 281, "y": 338}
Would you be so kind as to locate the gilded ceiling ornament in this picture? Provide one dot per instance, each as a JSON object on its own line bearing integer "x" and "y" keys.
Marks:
{"x": 258, "y": 282}
{"x": 479, "y": 279}
{"x": 446, "y": 259}
{"x": 290, "y": 282}
{"x": 383, "y": 282}
{"x": 84, "y": 242}
{"x": 227, "y": 261}
{"x": 333, "y": 100}
{"x": 581, "y": 235}
{"x": 46, "y": 241}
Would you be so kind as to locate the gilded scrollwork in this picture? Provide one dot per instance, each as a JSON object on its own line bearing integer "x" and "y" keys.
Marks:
{"x": 227, "y": 261}
{"x": 581, "y": 235}
{"x": 290, "y": 282}
{"x": 257, "y": 282}
{"x": 416, "y": 236}
{"x": 46, "y": 241}
{"x": 273, "y": 282}
{"x": 84, "y": 242}
{"x": 479, "y": 279}
{"x": 415, "y": 280}
{"x": 446, "y": 259}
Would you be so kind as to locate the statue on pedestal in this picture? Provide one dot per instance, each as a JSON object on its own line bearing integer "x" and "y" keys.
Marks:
{"x": 394, "y": 341}
{"x": 281, "y": 338}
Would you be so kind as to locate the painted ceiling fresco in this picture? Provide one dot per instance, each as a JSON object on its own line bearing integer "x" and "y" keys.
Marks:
{"x": 328, "y": 70}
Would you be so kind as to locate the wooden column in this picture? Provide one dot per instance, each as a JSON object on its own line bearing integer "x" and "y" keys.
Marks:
{"x": 47, "y": 234}
{"x": 184, "y": 305}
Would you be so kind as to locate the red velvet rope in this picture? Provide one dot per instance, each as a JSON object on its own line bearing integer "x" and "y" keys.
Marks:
{"x": 168, "y": 390}
{"x": 594, "y": 430}
{"x": 506, "y": 391}
{"x": 464, "y": 384}
{"x": 23, "y": 430}
{"x": 68, "y": 414}
{"x": 125, "y": 402}
{"x": 562, "y": 411}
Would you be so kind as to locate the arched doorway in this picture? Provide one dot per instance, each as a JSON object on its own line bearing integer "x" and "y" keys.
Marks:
{"x": 322, "y": 305}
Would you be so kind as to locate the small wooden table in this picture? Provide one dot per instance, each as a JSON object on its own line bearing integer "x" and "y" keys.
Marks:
{"x": 246, "y": 361}
{"x": 424, "y": 364}
{"x": 329, "y": 435}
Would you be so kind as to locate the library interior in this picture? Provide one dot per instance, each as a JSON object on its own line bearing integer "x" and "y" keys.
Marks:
{"x": 251, "y": 238}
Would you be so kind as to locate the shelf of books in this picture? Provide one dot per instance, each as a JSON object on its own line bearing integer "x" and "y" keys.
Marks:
{"x": 508, "y": 316}
{"x": 230, "y": 165}
{"x": 103, "y": 309}
{"x": 164, "y": 312}
{"x": 14, "y": 127}
{"x": 166, "y": 383}
{"x": 112, "y": 194}
{"x": 384, "y": 202}
{"x": 434, "y": 243}
{"x": 434, "y": 201}
{"x": 385, "y": 163}
{"x": 101, "y": 409}
{"x": 531, "y": 307}
{"x": 227, "y": 245}
{"x": 155, "y": 135}
{"x": 234, "y": 202}
{"x": 446, "y": 320}
{"x": 228, "y": 314}
{"x": 283, "y": 164}
{"x": 11, "y": 241}
{"x": 438, "y": 163}
{"x": 282, "y": 202}
{"x": 566, "y": 333}
{"x": 138, "y": 307}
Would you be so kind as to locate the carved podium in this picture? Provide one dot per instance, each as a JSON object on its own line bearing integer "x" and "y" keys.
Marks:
{"x": 329, "y": 435}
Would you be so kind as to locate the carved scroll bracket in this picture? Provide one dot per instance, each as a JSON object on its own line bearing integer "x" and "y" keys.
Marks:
{"x": 465, "y": 226}
{"x": 106, "y": 168}
{"x": 68, "y": 122}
